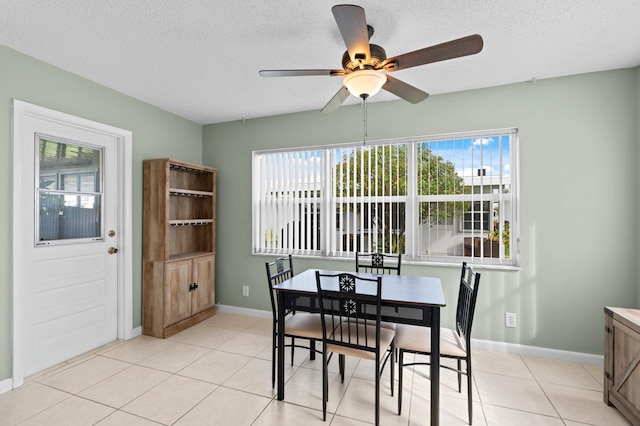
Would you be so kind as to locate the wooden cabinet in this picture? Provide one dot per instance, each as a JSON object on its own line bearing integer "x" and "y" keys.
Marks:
{"x": 178, "y": 246}
{"x": 622, "y": 361}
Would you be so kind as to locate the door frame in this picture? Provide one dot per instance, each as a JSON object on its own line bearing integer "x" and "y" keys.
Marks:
{"x": 124, "y": 138}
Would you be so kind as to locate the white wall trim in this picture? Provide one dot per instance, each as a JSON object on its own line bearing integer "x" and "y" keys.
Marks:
{"x": 244, "y": 311}
{"x": 6, "y": 386}
{"x": 557, "y": 354}
{"x": 511, "y": 348}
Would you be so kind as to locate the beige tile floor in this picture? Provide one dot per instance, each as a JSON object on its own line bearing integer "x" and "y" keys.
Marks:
{"x": 219, "y": 373}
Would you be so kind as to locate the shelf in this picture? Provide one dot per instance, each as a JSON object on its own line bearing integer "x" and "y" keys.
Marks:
{"x": 187, "y": 169}
{"x": 189, "y": 193}
{"x": 190, "y": 222}
{"x": 190, "y": 255}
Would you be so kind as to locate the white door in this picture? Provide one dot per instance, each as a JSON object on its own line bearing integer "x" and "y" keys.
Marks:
{"x": 67, "y": 240}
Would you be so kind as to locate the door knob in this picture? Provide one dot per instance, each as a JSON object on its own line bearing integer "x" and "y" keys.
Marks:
{"x": 112, "y": 250}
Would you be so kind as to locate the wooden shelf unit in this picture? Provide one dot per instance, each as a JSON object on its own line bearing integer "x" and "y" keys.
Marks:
{"x": 179, "y": 240}
{"x": 622, "y": 361}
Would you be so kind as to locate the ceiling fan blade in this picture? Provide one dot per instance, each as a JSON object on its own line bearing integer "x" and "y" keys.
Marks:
{"x": 464, "y": 46}
{"x": 353, "y": 27}
{"x": 336, "y": 101}
{"x": 296, "y": 73}
{"x": 404, "y": 90}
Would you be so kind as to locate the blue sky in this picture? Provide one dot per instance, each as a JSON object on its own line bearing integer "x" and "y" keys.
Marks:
{"x": 470, "y": 154}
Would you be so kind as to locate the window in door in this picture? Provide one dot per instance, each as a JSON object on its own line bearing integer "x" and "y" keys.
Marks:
{"x": 69, "y": 193}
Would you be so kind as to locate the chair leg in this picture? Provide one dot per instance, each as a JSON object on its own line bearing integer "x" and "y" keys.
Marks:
{"x": 392, "y": 356}
{"x": 312, "y": 349}
{"x": 325, "y": 386}
{"x": 400, "y": 360}
{"x": 341, "y": 362}
{"x": 469, "y": 399}
{"x": 377, "y": 390}
{"x": 293, "y": 344}
{"x": 459, "y": 376}
{"x": 273, "y": 359}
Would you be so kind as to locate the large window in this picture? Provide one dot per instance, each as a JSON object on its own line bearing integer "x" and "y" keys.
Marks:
{"x": 434, "y": 199}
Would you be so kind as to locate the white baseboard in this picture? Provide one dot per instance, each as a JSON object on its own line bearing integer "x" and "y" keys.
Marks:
{"x": 136, "y": 332}
{"x": 6, "y": 385}
{"x": 244, "y": 311}
{"x": 557, "y": 354}
{"x": 510, "y": 348}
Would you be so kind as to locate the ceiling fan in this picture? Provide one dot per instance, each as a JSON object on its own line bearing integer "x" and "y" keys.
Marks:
{"x": 366, "y": 66}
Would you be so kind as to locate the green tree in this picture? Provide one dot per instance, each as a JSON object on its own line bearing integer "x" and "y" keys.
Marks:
{"x": 382, "y": 171}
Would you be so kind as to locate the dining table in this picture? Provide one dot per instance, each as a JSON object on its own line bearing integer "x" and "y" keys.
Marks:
{"x": 405, "y": 299}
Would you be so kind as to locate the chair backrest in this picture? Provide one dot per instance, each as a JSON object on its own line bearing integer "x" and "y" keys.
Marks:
{"x": 349, "y": 305}
{"x": 467, "y": 296}
{"x": 378, "y": 263}
{"x": 278, "y": 270}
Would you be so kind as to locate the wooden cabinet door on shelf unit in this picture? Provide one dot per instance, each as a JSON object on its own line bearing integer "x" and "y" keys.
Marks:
{"x": 622, "y": 361}
{"x": 179, "y": 223}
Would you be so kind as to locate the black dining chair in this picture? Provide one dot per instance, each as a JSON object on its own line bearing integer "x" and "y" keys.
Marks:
{"x": 304, "y": 325}
{"x": 454, "y": 343}
{"x": 350, "y": 315}
{"x": 378, "y": 263}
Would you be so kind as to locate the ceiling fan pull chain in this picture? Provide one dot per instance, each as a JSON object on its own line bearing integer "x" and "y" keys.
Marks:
{"x": 364, "y": 121}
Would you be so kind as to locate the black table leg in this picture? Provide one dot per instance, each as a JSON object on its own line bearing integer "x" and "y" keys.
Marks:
{"x": 280, "y": 351}
{"x": 435, "y": 366}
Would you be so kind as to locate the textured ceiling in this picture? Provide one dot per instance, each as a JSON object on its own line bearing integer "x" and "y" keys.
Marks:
{"x": 200, "y": 58}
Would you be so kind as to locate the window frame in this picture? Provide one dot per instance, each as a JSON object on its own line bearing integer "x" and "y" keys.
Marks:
{"x": 327, "y": 201}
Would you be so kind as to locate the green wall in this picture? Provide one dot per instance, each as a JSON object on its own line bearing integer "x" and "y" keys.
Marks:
{"x": 578, "y": 156}
{"x": 156, "y": 133}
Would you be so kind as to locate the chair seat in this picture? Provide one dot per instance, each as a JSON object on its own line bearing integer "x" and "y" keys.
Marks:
{"x": 388, "y": 325}
{"x": 415, "y": 338}
{"x": 364, "y": 336}
{"x": 304, "y": 325}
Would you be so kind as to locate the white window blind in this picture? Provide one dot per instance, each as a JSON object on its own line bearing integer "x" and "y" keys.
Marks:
{"x": 288, "y": 189}
{"x": 434, "y": 199}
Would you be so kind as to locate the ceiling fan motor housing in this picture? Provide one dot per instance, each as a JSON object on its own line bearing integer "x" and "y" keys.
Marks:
{"x": 378, "y": 55}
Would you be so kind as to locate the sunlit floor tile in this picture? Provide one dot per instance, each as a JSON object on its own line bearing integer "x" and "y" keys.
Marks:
{"x": 255, "y": 377}
{"x": 70, "y": 412}
{"x": 500, "y": 416}
{"x": 246, "y": 344}
{"x": 346, "y": 421}
{"x": 583, "y": 405}
{"x": 174, "y": 357}
{"x": 230, "y": 321}
{"x": 86, "y": 374}
{"x": 453, "y": 411}
{"x": 596, "y": 371}
{"x": 500, "y": 363}
{"x": 358, "y": 403}
{"x": 215, "y": 367}
{"x": 513, "y": 392}
{"x": 225, "y": 407}
{"x": 120, "y": 418}
{"x": 561, "y": 372}
{"x": 201, "y": 335}
{"x": 125, "y": 386}
{"x": 28, "y": 401}
{"x": 279, "y": 413}
{"x": 170, "y": 400}
{"x": 305, "y": 388}
{"x": 137, "y": 349}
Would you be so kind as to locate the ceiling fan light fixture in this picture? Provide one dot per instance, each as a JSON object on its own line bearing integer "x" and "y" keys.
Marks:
{"x": 364, "y": 83}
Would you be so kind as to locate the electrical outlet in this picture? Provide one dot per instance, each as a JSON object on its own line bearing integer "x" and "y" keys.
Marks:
{"x": 245, "y": 290}
{"x": 510, "y": 320}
